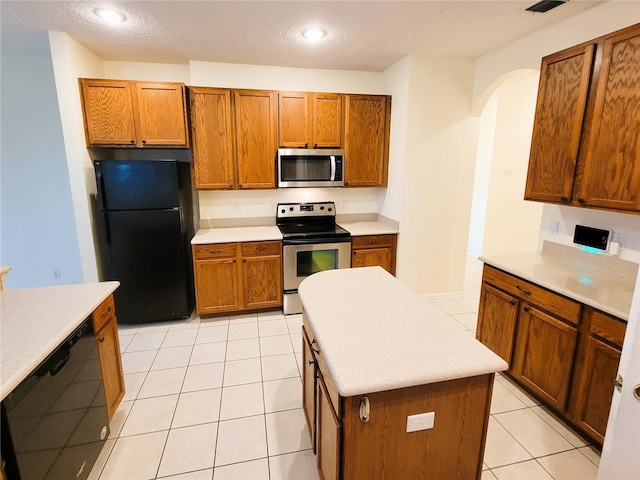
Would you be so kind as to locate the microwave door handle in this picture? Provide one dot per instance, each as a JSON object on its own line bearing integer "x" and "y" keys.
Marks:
{"x": 333, "y": 168}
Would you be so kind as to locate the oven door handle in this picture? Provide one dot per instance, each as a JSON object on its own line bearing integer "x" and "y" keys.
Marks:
{"x": 333, "y": 168}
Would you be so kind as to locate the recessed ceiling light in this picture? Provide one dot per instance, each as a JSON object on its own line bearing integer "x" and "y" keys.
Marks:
{"x": 109, "y": 15}
{"x": 314, "y": 34}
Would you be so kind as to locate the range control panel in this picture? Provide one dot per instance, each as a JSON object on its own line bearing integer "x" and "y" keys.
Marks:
{"x": 287, "y": 210}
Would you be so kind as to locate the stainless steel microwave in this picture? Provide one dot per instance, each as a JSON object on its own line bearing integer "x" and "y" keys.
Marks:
{"x": 303, "y": 167}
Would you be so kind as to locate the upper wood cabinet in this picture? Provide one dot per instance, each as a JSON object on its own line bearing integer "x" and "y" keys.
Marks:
{"x": 139, "y": 114}
{"x": 309, "y": 120}
{"x": 367, "y": 121}
{"x": 585, "y": 149}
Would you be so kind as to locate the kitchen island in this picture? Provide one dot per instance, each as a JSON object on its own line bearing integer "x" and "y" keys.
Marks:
{"x": 392, "y": 387}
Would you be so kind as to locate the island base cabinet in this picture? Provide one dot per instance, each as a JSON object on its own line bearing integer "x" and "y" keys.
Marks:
{"x": 329, "y": 434}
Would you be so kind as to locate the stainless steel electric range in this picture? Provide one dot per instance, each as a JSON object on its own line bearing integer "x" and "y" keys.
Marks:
{"x": 312, "y": 242}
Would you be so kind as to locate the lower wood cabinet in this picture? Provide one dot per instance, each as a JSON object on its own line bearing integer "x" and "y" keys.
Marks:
{"x": 105, "y": 326}
{"x": 233, "y": 277}
{"x": 565, "y": 353}
{"x": 374, "y": 250}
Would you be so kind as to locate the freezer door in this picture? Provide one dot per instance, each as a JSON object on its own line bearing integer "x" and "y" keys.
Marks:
{"x": 147, "y": 256}
{"x": 137, "y": 185}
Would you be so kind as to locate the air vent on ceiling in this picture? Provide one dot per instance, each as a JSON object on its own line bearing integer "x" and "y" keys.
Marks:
{"x": 545, "y": 5}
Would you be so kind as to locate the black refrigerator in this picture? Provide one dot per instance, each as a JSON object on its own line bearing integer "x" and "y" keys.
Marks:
{"x": 145, "y": 225}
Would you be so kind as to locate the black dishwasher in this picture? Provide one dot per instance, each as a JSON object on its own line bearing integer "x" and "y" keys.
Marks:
{"x": 55, "y": 422}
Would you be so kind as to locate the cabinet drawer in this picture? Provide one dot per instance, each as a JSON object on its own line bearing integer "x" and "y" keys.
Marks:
{"x": 372, "y": 241}
{"x": 253, "y": 249}
{"x": 546, "y": 300}
{"x": 103, "y": 313}
{"x": 608, "y": 327}
{"x": 214, "y": 250}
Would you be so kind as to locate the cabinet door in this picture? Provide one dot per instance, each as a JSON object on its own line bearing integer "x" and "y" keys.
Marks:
{"x": 594, "y": 391}
{"x": 216, "y": 285}
{"x": 262, "y": 281}
{"x": 110, "y": 364}
{"x": 372, "y": 257}
{"x": 327, "y": 120}
{"x": 366, "y": 140}
{"x": 562, "y": 95}
{"x": 294, "y": 119}
{"x": 544, "y": 355}
{"x": 329, "y": 436}
{"x": 309, "y": 369}
{"x": 256, "y": 138}
{"x": 162, "y": 114}
{"x": 611, "y": 176}
{"x": 212, "y": 138}
{"x": 108, "y": 112}
{"x": 497, "y": 316}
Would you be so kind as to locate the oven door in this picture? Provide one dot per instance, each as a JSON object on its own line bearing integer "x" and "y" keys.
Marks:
{"x": 300, "y": 261}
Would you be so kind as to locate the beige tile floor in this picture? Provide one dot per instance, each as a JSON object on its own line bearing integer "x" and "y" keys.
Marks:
{"x": 221, "y": 399}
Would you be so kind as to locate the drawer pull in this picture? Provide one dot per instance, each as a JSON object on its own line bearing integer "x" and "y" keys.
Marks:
{"x": 371, "y": 242}
{"x": 526, "y": 309}
{"x": 636, "y": 392}
{"x": 261, "y": 248}
{"x": 512, "y": 302}
{"x": 526, "y": 292}
{"x": 365, "y": 409}
{"x": 311, "y": 362}
{"x": 213, "y": 252}
{"x": 315, "y": 349}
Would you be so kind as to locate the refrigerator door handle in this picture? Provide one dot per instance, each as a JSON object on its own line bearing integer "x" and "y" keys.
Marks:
{"x": 100, "y": 187}
{"x": 105, "y": 228}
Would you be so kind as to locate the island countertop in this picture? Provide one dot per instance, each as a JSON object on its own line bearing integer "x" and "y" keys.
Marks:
{"x": 376, "y": 334}
{"x": 34, "y": 321}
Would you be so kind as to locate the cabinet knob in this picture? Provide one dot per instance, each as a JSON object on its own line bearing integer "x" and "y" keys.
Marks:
{"x": 233, "y": 261}
{"x": 581, "y": 200}
{"x": 144, "y": 141}
{"x": 231, "y": 185}
{"x": 512, "y": 302}
{"x": 355, "y": 253}
{"x": 315, "y": 145}
{"x": 564, "y": 199}
{"x": 133, "y": 141}
{"x": 244, "y": 260}
{"x": 101, "y": 339}
{"x": 306, "y": 145}
{"x": 526, "y": 309}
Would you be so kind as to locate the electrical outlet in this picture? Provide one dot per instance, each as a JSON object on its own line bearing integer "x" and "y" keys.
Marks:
{"x": 626, "y": 240}
{"x": 236, "y": 207}
{"x": 554, "y": 225}
{"x": 56, "y": 273}
{"x": 422, "y": 421}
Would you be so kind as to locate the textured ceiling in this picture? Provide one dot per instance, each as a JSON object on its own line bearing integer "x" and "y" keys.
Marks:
{"x": 362, "y": 35}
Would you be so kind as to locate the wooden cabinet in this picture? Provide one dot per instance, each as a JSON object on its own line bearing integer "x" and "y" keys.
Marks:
{"x": 367, "y": 121}
{"x": 105, "y": 327}
{"x": 233, "y": 277}
{"x": 374, "y": 250}
{"x": 309, "y": 120}
{"x": 584, "y": 149}
{"x": 121, "y": 113}
{"x": 564, "y": 353}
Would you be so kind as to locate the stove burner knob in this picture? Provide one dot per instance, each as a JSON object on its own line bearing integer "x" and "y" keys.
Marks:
{"x": 322, "y": 207}
{"x": 291, "y": 209}
{"x": 330, "y": 209}
{"x": 283, "y": 210}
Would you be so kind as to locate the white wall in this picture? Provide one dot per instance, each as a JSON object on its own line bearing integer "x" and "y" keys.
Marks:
{"x": 37, "y": 221}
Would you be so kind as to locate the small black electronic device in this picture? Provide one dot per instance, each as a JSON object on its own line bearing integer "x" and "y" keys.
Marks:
{"x": 592, "y": 237}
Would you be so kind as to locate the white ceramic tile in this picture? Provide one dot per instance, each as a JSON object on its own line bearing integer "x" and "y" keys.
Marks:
{"x": 296, "y": 341}
{"x": 208, "y": 353}
{"x": 270, "y": 315}
{"x": 203, "y": 377}
{"x": 523, "y": 396}
{"x": 135, "y": 457}
{"x": 240, "y": 440}
{"x": 124, "y": 340}
{"x": 132, "y": 385}
{"x": 252, "y": 470}
{"x": 279, "y": 366}
{"x": 189, "y": 448}
{"x": 522, "y": 471}
{"x": 241, "y": 401}
{"x": 470, "y": 303}
{"x": 212, "y": 321}
{"x": 172, "y": 357}
{"x": 244, "y": 318}
{"x": 284, "y": 394}
{"x": 100, "y": 462}
{"x": 559, "y": 426}
{"x": 150, "y": 415}
{"x": 202, "y": 406}
{"x": 214, "y": 333}
{"x": 239, "y": 331}
{"x": 487, "y": 475}
{"x": 178, "y": 338}
{"x": 452, "y": 307}
{"x": 239, "y": 372}
{"x": 206, "y": 474}
{"x": 193, "y": 322}
{"x": 277, "y": 345}
{"x": 124, "y": 329}
{"x": 162, "y": 382}
{"x": 501, "y": 448}
{"x": 472, "y": 282}
{"x": 153, "y": 327}
{"x": 287, "y": 432}
{"x": 571, "y": 465}
{"x": 118, "y": 419}
{"x": 241, "y": 349}
{"x": 469, "y": 320}
{"x": 502, "y": 400}
{"x": 591, "y": 453}
{"x": 294, "y": 323}
{"x": 269, "y": 328}
{"x": 299, "y": 362}
{"x": 135, "y": 362}
{"x": 533, "y": 433}
{"x": 146, "y": 341}
{"x": 298, "y": 465}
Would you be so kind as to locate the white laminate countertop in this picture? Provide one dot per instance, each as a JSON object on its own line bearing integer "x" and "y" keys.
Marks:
{"x": 572, "y": 276}
{"x": 357, "y": 229}
{"x": 376, "y": 334}
{"x": 34, "y": 321}
{"x": 236, "y": 234}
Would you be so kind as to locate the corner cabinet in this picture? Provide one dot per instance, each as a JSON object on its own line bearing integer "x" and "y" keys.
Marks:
{"x": 367, "y": 121}
{"x": 122, "y": 113}
{"x": 309, "y": 120}
{"x": 105, "y": 327}
{"x": 374, "y": 250}
{"x": 233, "y": 277}
{"x": 585, "y": 149}
{"x": 564, "y": 353}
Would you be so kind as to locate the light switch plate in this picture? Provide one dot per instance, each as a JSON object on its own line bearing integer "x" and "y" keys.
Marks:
{"x": 421, "y": 421}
